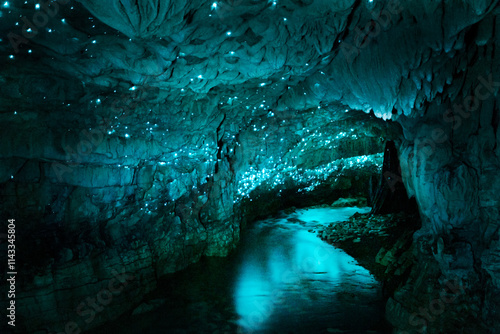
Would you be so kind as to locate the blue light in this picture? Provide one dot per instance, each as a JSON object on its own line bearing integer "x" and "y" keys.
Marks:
{"x": 289, "y": 256}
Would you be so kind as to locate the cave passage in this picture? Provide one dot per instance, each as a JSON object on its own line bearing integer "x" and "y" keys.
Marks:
{"x": 141, "y": 139}
{"x": 281, "y": 279}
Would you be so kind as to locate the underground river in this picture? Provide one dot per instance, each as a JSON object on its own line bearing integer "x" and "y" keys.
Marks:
{"x": 281, "y": 279}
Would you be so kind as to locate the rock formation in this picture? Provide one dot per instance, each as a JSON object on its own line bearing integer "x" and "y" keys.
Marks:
{"x": 141, "y": 135}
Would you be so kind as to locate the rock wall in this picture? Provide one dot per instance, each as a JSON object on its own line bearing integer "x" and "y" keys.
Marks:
{"x": 110, "y": 207}
{"x": 450, "y": 166}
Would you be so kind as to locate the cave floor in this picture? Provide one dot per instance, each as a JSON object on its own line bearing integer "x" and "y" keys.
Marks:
{"x": 282, "y": 279}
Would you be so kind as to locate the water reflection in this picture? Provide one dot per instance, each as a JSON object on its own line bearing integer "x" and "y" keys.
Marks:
{"x": 287, "y": 271}
{"x": 282, "y": 279}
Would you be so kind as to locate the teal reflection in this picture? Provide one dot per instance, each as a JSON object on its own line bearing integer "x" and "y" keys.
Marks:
{"x": 285, "y": 269}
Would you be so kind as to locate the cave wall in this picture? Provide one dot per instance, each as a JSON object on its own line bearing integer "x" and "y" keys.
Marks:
{"x": 96, "y": 205}
{"x": 450, "y": 162}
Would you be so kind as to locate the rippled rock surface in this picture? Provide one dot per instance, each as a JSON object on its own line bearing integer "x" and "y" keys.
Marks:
{"x": 139, "y": 136}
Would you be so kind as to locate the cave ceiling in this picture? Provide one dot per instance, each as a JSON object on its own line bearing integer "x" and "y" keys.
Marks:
{"x": 389, "y": 57}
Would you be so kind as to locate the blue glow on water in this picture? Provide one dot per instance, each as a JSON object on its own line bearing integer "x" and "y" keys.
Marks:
{"x": 327, "y": 215}
{"x": 289, "y": 268}
{"x": 281, "y": 279}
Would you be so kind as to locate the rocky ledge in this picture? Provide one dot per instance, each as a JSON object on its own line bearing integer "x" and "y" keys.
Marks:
{"x": 380, "y": 243}
{"x": 419, "y": 298}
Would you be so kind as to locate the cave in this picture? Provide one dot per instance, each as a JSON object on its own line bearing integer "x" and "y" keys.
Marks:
{"x": 163, "y": 162}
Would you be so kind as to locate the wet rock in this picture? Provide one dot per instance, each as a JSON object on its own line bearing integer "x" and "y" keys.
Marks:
{"x": 144, "y": 138}
{"x": 381, "y": 243}
{"x": 342, "y": 202}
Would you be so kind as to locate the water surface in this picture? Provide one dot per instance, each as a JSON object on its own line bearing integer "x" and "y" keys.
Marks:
{"x": 282, "y": 279}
